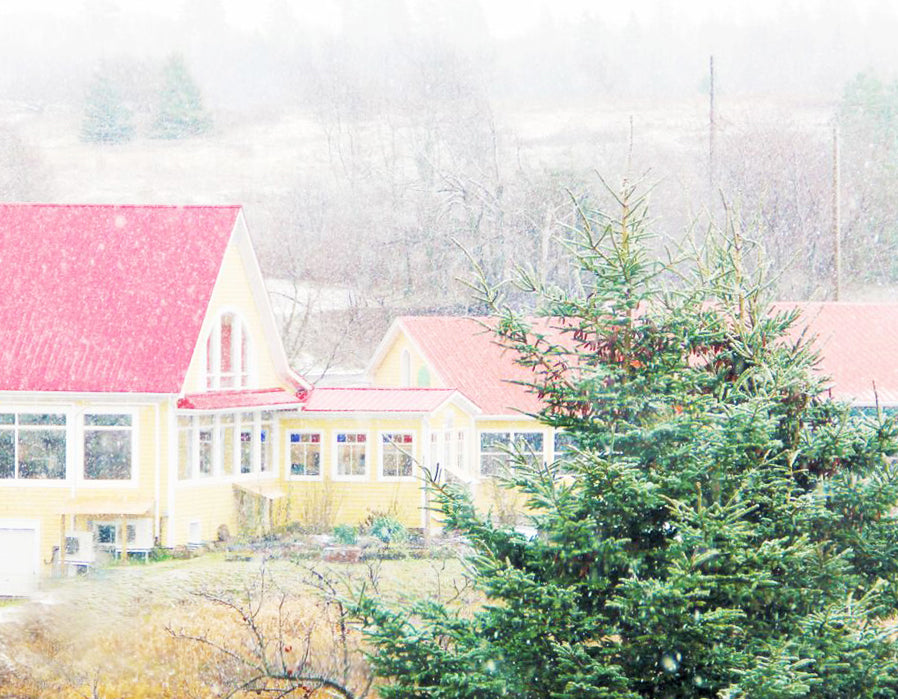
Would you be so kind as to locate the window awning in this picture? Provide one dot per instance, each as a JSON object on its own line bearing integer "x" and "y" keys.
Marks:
{"x": 108, "y": 507}
{"x": 266, "y": 398}
{"x": 269, "y": 491}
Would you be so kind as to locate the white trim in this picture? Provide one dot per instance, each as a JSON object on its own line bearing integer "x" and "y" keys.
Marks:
{"x": 70, "y": 467}
{"x": 173, "y": 454}
{"x": 405, "y": 368}
{"x": 79, "y": 461}
{"x": 335, "y": 461}
{"x": 455, "y": 398}
{"x": 288, "y": 460}
{"x": 241, "y": 239}
{"x": 381, "y": 452}
{"x": 384, "y": 346}
{"x": 72, "y": 397}
{"x": 507, "y": 417}
{"x": 157, "y": 480}
{"x": 477, "y": 472}
{"x": 239, "y": 328}
{"x": 217, "y": 475}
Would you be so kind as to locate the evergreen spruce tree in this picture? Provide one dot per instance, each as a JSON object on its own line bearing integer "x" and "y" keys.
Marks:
{"x": 106, "y": 117}
{"x": 179, "y": 110}
{"x": 721, "y": 529}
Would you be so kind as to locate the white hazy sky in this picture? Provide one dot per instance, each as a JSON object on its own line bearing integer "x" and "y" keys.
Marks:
{"x": 506, "y": 18}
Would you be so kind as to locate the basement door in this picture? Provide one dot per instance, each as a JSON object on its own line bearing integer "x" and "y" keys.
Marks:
{"x": 18, "y": 559}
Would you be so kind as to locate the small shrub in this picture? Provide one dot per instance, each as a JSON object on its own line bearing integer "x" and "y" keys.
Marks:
{"x": 388, "y": 529}
{"x": 346, "y": 534}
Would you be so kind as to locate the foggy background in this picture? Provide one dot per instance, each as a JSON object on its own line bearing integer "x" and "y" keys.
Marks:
{"x": 364, "y": 137}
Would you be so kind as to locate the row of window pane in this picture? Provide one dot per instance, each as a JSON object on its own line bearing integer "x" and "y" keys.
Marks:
{"x": 33, "y": 446}
{"x": 228, "y": 354}
{"x": 351, "y": 454}
{"x": 223, "y": 444}
{"x": 398, "y": 458}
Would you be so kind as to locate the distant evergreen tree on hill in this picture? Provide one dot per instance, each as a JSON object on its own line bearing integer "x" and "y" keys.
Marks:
{"x": 179, "y": 111}
{"x": 107, "y": 119}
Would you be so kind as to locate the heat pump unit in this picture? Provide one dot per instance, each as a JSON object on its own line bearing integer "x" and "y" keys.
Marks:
{"x": 140, "y": 533}
{"x": 79, "y": 548}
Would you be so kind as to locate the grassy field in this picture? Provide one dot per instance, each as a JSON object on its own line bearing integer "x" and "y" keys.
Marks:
{"x": 201, "y": 627}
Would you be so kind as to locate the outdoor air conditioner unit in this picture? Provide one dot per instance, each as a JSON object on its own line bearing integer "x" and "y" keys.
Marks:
{"x": 140, "y": 533}
{"x": 79, "y": 548}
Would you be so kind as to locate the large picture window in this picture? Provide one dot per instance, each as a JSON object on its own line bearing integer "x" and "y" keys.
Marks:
{"x": 397, "y": 454}
{"x": 305, "y": 454}
{"x": 351, "y": 454}
{"x": 33, "y": 446}
{"x": 496, "y": 449}
{"x": 107, "y": 447}
{"x": 225, "y": 445}
{"x": 228, "y": 354}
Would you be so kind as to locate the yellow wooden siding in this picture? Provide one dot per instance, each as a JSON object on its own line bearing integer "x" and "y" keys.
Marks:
{"x": 232, "y": 291}
{"x": 210, "y": 504}
{"x": 331, "y": 499}
{"x": 388, "y": 372}
{"x": 505, "y": 505}
{"x": 29, "y": 500}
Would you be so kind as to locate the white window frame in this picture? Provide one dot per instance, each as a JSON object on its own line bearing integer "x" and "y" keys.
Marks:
{"x": 289, "y": 450}
{"x": 249, "y": 421}
{"x": 382, "y": 452}
{"x": 81, "y": 436}
{"x": 405, "y": 368}
{"x": 335, "y": 452}
{"x": 242, "y": 367}
{"x": 71, "y": 449}
{"x": 512, "y": 434}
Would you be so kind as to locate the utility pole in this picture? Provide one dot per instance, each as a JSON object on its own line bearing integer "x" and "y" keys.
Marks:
{"x": 711, "y": 128}
{"x": 836, "y": 215}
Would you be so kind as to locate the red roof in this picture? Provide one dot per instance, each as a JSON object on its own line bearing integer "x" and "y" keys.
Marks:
{"x": 376, "y": 400}
{"x": 466, "y": 357}
{"x": 105, "y": 298}
{"x": 858, "y": 344}
{"x": 232, "y": 400}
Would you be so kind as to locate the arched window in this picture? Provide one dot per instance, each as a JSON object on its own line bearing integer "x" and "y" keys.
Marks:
{"x": 405, "y": 369}
{"x": 228, "y": 354}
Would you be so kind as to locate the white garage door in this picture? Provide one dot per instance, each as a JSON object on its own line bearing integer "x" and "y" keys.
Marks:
{"x": 18, "y": 560}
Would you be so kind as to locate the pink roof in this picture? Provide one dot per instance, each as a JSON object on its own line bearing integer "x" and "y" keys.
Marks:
{"x": 376, "y": 400}
{"x": 858, "y": 344}
{"x": 233, "y": 400}
{"x": 466, "y": 357}
{"x": 105, "y": 298}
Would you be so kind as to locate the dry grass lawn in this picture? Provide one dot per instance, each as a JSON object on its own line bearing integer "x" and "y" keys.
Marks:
{"x": 201, "y": 627}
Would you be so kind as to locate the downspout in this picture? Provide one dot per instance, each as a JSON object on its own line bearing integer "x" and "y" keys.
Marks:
{"x": 172, "y": 444}
{"x": 157, "y": 494}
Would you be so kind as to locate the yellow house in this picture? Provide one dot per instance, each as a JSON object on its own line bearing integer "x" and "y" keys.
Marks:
{"x": 146, "y": 399}
{"x": 460, "y": 353}
{"x": 141, "y": 379}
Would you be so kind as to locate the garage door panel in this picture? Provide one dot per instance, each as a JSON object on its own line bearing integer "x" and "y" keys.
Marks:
{"x": 18, "y": 573}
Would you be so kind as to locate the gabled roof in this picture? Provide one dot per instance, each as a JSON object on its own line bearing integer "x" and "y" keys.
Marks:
{"x": 377, "y": 400}
{"x": 104, "y": 298}
{"x": 858, "y": 344}
{"x": 464, "y": 355}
